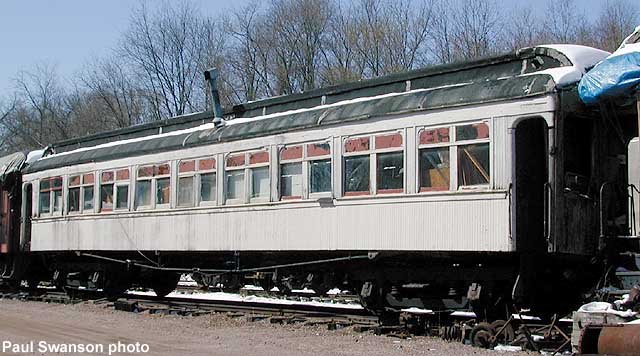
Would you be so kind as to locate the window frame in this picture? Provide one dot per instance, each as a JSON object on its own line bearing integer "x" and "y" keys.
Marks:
{"x": 116, "y": 183}
{"x": 454, "y": 144}
{"x": 153, "y": 179}
{"x": 82, "y": 187}
{"x": 197, "y": 173}
{"x": 305, "y": 160}
{"x": 372, "y": 152}
{"x": 247, "y": 169}
{"x": 50, "y": 190}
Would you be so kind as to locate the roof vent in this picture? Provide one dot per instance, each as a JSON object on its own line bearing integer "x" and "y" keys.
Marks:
{"x": 211, "y": 76}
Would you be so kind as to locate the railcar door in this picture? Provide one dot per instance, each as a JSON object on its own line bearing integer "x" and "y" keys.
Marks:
{"x": 529, "y": 179}
{"x": 5, "y": 222}
{"x": 529, "y": 185}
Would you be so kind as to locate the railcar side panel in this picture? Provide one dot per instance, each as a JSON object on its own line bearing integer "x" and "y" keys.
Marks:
{"x": 416, "y": 224}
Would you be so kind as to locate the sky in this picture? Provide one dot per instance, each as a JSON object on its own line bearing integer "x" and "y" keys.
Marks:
{"x": 69, "y": 33}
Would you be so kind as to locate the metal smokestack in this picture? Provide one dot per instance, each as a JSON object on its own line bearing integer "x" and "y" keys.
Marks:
{"x": 211, "y": 76}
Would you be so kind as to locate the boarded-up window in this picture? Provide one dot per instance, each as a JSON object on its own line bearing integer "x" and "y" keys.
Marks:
{"x": 434, "y": 169}
{"x": 469, "y": 149}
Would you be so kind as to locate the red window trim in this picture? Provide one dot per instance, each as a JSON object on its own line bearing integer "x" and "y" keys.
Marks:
{"x": 187, "y": 166}
{"x": 204, "y": 166}
{"x": 314, "y": 152}
{"x": 393, "y": 140}
{"x": 357, "y": 144}
{"x": 291, "y": 153}
{"x": 258, "y": 157}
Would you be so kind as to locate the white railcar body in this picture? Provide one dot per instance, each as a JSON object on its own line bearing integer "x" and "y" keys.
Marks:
{"x": 456, "y": 220}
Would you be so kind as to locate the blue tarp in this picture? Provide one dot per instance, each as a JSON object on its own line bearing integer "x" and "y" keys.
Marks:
{"x": 615, "y": 77}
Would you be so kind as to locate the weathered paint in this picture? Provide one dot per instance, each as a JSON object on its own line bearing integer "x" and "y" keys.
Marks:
{"x": 465, "y": 220}
{"x": 418, "y": 224}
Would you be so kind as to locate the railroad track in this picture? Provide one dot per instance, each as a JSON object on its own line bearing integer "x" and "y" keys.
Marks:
{"x": 194, "y": 306}
{"x": 278, "y": 311}
{"x": 287, "y": 312}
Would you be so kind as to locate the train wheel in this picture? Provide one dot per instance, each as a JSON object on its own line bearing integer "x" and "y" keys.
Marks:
{"x": 32, "y": 284}
{"x": 115, "y": 285}
{"x": 507, "y": 335}
{"x": 164, "y": 283}
{"x": 481, "y": 335}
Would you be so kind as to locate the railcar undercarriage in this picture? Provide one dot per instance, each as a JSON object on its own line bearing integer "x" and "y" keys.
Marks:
{"x": 387, "y": 282}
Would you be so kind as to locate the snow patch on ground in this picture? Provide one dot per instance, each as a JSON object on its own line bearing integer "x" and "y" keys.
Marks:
{"x": 231, "y": 297}
{"x": 414, "y": 310}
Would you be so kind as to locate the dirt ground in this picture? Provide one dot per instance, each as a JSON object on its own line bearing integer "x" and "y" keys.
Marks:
{"x": 55, "y": 325}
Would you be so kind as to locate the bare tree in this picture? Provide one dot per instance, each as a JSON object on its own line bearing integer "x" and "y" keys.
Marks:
{"x": 617, "y": 20}
{"x": 42, "y": 101}
{"x": 564, "y": 23}
{"x": 341, "y": 62}
{"x": 168, "y": 49}
{"x": 477, "y": 28}
{"x": 392, "y": 35}
{"x": 111, "y": 91}
{"x": 522, "y": 30}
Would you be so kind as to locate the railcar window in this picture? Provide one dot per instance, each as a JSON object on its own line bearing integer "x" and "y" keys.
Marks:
{"x": 114, "y": 190}
{"x": 235, "y": 185}
{"x": 434, "y": 169}
{"x": 385, "y": 157}
{"x": 163, "y": 191}
{"x": 153, "y": 178}
{"x": 74, "y": 194}
{"x": 390, "y": 172}
{"x": 320, "y": 176}
{"x": 473, "y": 164}
{"x": 248, "y": 171}
{"x": 389, "y": 164}
{"x": 106, "y": 197}
{"x": 469, "y": 148}
{"x": 56, "y": 189}
{"x": 208, "y": 187}
{"x": 319, "y": 158}
{"x": 473, "y": 159}
{"x": 143, "y": 193}
{"x": 291, "y": 172}
{"x": 207, "y": 178}
{"x": 87, "y": 192}
{"x": 291, "y": 181}
{"x": 434, "y": 161}
{"x": 356, "y": 175}
{"x": 259, "y": 170}
{"x": 185, "y": 191}
{"x": 50, "y": 195}
{"x": 196, "y": 182}
{"x": 305, "y": 168}
{"x": 235, "y": 176}
{"x": 260, "y": 182}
